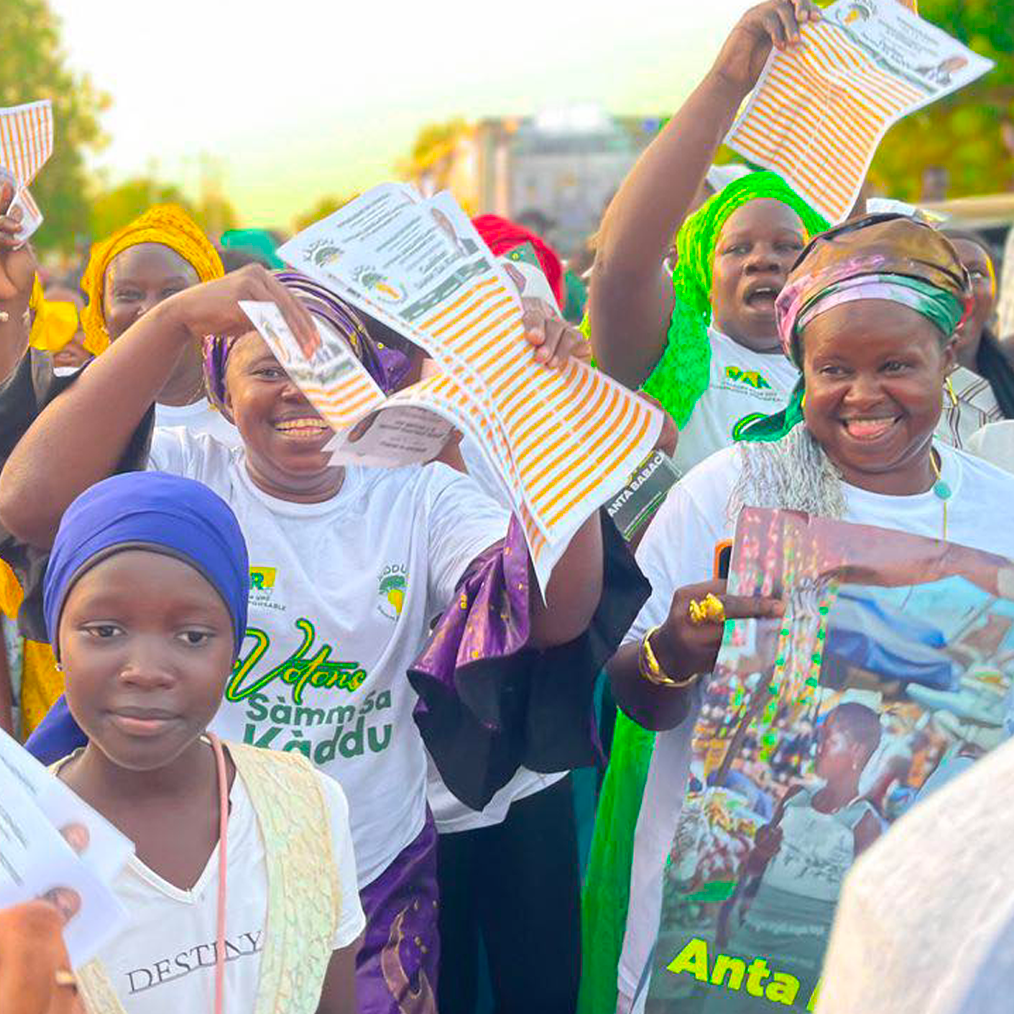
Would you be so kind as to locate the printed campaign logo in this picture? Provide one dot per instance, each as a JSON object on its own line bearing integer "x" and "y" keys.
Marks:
{"x": 324, "y": 253}
{"x": 391, "y": 591}
{"x": 262, "y": 587}
{"x": 747, "y": 378}
{"x": 380, "y": 285}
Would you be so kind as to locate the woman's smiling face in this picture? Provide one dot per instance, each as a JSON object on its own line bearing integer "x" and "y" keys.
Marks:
{"x": 283, "y": 434}
{"x": 874, "y": 373}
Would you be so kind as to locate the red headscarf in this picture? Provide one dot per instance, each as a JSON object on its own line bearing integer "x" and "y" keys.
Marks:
{"x": 502, "y": 235}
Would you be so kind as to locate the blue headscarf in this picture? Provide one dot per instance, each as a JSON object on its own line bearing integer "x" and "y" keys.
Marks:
{"x": 151, "y": 510}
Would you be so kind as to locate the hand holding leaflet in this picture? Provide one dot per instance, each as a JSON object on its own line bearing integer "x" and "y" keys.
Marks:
{"x": 561, "y": 441}
{"x": 26, "y": 142}
{"x": 39, "y": 820}
{"x": 821, "y": 108}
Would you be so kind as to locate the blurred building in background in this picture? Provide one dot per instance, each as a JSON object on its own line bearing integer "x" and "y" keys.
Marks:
{"x": 554, "y": 172}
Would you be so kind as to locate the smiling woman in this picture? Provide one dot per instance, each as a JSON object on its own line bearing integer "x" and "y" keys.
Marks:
{"x": 868, "y": 313}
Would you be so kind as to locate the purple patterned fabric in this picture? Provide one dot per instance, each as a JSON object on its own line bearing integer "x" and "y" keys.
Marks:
{"x": 396, "y": 968}
{"x": 386, "y": 366}
{"x": 487, "y": 702}
{"x": 488, "y": 620}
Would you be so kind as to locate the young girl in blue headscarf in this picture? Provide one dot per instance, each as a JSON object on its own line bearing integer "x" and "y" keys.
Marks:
{"x": 146, "y": 605}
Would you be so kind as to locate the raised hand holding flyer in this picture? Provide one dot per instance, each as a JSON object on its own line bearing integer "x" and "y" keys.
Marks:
{"x": 820, "y": 109}
{"x": 26, "y": 142}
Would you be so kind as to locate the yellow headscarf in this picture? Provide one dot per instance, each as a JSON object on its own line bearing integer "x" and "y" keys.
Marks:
{"x": 167, "y": 224}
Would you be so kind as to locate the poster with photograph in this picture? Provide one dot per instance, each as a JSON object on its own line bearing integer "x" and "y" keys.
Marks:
{"x": 889, "y": 675}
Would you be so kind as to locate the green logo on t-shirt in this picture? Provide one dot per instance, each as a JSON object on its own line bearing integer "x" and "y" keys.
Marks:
{"x": 749, "y": 378}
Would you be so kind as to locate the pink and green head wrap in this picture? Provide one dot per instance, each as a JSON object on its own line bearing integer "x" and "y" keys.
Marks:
{"x": 683, "y": 372}
{"x": 887, "y": 257}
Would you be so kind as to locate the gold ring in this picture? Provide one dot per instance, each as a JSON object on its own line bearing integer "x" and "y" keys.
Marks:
{"x": 65, "y": 977}
{"x": 697, "y": 613}
{"x": 714, "y": 609}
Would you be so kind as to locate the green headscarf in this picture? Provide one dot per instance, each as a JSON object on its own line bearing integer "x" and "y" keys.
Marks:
{"x": 682, "y": 374}
{"x": 258, "y": 242}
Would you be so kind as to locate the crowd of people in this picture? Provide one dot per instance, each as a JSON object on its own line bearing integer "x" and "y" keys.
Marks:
{"x": 336, "y": 716}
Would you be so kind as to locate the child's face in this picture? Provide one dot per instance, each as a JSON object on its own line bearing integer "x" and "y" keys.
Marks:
{"x": 282, "y": 432}
{"x": 147, "y": 646}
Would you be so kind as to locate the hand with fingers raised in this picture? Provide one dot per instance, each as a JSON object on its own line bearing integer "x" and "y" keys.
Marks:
{"x": 775, "y": 23}
{"x": 213, "y": 307}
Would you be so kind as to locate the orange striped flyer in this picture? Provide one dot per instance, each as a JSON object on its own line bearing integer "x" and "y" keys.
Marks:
{"x": 334, "y": 381}
{"x": 26, "y": 142}
{"x": 26, "y": 139}
{"x": 562, "y": 442}
{"x": 820, "y": 109}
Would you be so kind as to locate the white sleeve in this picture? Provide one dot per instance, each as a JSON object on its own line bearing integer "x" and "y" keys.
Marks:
{"x": 679, "y": 547}
{"x": 462, "y": 522}
{"x": 351, "y": 920}
{"x": 171, "y": 451}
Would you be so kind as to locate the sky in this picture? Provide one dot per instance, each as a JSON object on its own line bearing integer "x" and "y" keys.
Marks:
{"x": 293, "y": 100}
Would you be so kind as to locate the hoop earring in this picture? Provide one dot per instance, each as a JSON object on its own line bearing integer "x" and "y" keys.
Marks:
{"x": 949, "y": 388}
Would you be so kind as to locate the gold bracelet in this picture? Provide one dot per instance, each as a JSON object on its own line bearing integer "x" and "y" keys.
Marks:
{"x": 648, "y": 667}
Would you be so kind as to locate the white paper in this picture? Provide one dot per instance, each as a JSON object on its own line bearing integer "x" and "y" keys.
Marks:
{"x": 36, "y": 862}
{"x": 26, "y": 142}
{"x": 107, "y": 850}
{"x": 821, "y": 108}
{"x": 562, "y": 441}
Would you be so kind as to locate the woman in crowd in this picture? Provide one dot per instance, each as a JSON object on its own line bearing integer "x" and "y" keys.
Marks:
{"x": 322, "y": 669}
{"x": 155, "y": 256}
{"x": 702, "y": 340}
{"x": 146, "y": 602}
{"x": 981, "y": 388}
{"x": 868, "y": 314}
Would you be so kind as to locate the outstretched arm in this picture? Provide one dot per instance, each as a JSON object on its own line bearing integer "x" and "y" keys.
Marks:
{"x": 631, "y": 299}
{"x": 83, "y": 433}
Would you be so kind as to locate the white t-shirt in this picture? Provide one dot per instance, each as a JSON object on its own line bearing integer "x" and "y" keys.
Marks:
{"x": 940, "y": 938}
{"x": 163, "y": 962}
{"x": 198, "y": 419}
{"x": 342, "y": 594}
{"x": 743, "y": 382}
{"x": 678, "y": 549}
{"x": 449, "y": 812}
{"x": 994, "y": 443}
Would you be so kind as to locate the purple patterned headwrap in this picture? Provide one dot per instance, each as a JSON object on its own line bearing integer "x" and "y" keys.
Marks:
{"x": 386, "y": 366}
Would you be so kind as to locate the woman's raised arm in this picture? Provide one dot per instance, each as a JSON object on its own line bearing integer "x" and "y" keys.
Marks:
{"x": 631, "y": 298}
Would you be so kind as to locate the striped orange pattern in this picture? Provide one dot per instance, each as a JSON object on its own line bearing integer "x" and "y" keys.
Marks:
{"x": 26, "y": 139}
{"x": 344, "y": 403}
{"x": 565, "y": 436}
{"x": 818, "y": 114}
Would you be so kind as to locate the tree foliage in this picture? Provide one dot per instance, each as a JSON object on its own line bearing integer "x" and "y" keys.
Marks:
{"x": 324, "y": 207}
{"x": 970, "y": 133}
{"x": 114, "y": 207}
{"x": 33, "y": 67}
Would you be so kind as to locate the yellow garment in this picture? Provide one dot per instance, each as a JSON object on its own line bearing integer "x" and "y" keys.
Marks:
{"x": 11, "y": 594}
{"x": 167, "y": 224}
{"x": 41, "y": 684}
{"x": 54, "y": 323}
